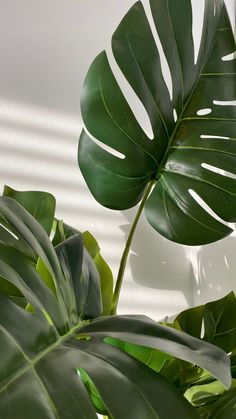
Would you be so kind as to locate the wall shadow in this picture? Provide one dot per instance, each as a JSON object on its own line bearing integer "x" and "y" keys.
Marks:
{"x": 158, "y": 263}
{"x": 215, "y": 273}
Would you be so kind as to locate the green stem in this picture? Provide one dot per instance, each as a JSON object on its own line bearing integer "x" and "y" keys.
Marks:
{"x": 125, "y": 254}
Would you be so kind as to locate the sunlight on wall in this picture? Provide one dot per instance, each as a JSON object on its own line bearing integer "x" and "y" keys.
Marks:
{"x": 39, "y": 151}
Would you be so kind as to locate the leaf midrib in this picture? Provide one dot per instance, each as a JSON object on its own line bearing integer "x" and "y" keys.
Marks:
{"x": 148, "y": 88}
{"x": 182, "y": 205}
{"x": 145, "y": 151}
{"x": 180, "y": 119}
{"x": 49, "y": 399}
{"x": 114, "y": 365}
{"x": 200, "y": 179}
{"x": 38, "y": 358}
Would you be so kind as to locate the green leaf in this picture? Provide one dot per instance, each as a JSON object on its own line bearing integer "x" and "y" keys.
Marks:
{"x": 62, "y": 232}
{"x": 175, "y": 156}
{"x": 183, "y": 374}
{"x": 147, "y": 394}
{"x": 92, "y": 258}
{"x": 190, "y": 321}
{"x": 45, "y": 275}
{"x": 29, "y": 232}
{"x": 224, "y": 408}
{"x": 143, "y": 331}
{"x": 47, "y": 347}
{"x": 84, "y": 290}
{"x": 220, "y": 322}
{"x": 217, "y": 319}
{"x": 154, "y": 359}
{"x": 7, "y": 288}
{"x": 93, "y": 392}
{"x": 105, "y": 274}
{"x": 40, "y": 204}
{"x": 201, "y": 394}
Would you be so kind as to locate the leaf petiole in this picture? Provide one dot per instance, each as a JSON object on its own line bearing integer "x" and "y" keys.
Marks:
{"x": 126, "y": 251}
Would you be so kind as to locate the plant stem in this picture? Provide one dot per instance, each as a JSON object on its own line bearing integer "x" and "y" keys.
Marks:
{"x": 125, "y": 254}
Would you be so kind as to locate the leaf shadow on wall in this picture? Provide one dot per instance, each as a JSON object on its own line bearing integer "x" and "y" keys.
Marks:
{"x": 158, "y": 263}
{"x": 214, "y": 268}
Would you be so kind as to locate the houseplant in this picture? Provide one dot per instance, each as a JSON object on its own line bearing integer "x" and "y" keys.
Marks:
{"x": 43, "y": 288}
{"x": 191, "y": 157}
{"x": 179, "y": 165}
{"x": 52, "y": 343}
{"x": 49, "y": 299}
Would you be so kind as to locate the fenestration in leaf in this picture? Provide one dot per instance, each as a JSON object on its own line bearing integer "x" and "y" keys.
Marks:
{"x": 182, "y": 153}
{"x": 43, "y": 350}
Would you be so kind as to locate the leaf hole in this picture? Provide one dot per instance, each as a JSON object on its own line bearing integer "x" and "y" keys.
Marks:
{"x": 202, "y": 329}
{"x": 213, "y": 169}
{"x": 164, "y": 64}
{"x": 229, "y": 57}
{"x": 175, "y": 115}
{"x": 92, "y": 391}
{"x": 205, "y": 111}
{"x": 132, "y": 99}
{"x": 224, "y": 102}
{"x": 197, "y": 25}
{"x": 106, "y": 147}
{"x": 219, "y": 171}
{"x": 214, "y": 10}
{"x": 204, "y": 205}
{"x": 214, "y": 136}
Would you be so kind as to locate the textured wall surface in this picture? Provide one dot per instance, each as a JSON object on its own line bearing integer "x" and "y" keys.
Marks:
{"x": 46, "y": 48}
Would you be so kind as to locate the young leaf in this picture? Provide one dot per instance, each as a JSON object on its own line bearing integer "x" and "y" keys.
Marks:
{"x": 39, "y": 204}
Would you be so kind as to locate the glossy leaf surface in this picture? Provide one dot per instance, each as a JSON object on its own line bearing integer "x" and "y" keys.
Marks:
{"x": 39, "y": 204}
{"x": 93, "y": 260}
{"x": 219, "y": 319}
{"x": 105, "y": 274}
{"x": 215, "y": 322}
{"x": 193, "y": 131}
{"x": 48, "y": 346}
{"x": 224, "y": 408}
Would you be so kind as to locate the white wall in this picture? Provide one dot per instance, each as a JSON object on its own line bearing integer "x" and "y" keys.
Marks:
{"x": 46, "y": 48}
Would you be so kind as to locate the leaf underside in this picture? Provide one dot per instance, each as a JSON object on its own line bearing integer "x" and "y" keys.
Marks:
{"x": 183, "y": 154}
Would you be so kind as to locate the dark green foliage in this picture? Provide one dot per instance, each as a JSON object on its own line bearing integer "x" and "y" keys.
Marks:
{"x": 58, "y": 361}
{"x": 174, "y": 158}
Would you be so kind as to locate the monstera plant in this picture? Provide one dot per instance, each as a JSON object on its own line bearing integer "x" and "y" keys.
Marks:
{"x": 64, "y": 351}
{"x": 60, "y": 358}
{"x": 193, "y": 131}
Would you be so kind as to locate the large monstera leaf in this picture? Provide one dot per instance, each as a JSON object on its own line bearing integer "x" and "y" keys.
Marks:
{"x": 49, "y": 345}
{"x": 194, "y": 131}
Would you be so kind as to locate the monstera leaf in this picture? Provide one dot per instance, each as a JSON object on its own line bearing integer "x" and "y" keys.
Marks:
{"x": 40, "y": 204}
{"x": 224, "y": 408}
{"x": 193, "y": 150}
{"x": 92, "y": 256}
{"x": 48, "y": 350}
{"x": 198, "y": 386}
{"x": 219, "y": 319}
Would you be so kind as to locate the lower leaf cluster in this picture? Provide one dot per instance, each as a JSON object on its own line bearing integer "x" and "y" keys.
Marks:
{"x": 64, "y": 356}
